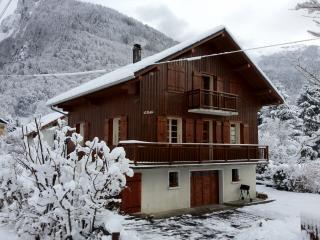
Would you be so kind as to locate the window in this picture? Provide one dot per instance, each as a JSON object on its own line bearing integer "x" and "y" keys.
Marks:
{"x": 173, "y": 179}
{"x": 235, "y": 133}
{"x": 235, "y": 175}
{"x": 174, "y": 129}
{"x": 116, "y": 131}
{"x": 207, "y": 131}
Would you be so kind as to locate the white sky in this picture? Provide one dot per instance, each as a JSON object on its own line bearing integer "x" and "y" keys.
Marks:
{"x": 253, "y": 22}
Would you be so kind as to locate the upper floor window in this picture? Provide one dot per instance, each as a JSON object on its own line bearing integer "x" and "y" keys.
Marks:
{"x": 234, "y": 133}
{"x": 174, "y": 129}
{"x": 209, "y": 82}
{"x": 116, "y": 131}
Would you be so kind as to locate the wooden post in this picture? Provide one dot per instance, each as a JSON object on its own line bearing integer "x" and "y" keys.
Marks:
{"x": 115, "y": 236}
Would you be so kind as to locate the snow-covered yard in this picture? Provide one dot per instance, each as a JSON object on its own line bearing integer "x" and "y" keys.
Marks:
{"x": 277, "y": 220}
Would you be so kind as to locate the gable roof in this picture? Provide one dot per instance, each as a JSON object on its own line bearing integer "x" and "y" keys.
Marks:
{"x": 44, "y": 121}
{"x": 127, "y": 72}
{"x": 3, "y": 121}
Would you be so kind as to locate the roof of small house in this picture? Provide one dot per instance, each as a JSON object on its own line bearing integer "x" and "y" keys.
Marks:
{"x": 127, "y": 72}
{"x": 44, "y": 121}
{"x": 3, "y": 121}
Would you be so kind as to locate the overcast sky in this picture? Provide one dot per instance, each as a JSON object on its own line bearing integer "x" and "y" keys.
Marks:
{"x": 253, "y": 22}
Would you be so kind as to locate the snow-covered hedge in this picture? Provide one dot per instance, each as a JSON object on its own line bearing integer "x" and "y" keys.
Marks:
{"x": 67, "y": 191}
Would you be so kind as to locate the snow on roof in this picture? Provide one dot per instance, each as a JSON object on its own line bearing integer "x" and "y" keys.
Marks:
{"x": 3, "y": 121}
{"x": 127, "y": 72}
{"x": 44, "y": 121}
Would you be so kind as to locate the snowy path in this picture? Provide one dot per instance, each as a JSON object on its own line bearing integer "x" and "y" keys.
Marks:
{"x": 276, "y": 220}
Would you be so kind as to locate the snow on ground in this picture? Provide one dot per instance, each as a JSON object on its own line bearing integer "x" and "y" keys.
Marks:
{"x": 277, "y": 220}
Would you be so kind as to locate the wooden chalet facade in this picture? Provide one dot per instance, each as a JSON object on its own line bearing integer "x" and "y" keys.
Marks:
{"x": 190, "y": 122}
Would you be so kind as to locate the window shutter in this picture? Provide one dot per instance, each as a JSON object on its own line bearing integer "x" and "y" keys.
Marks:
{"x": 220, "y": 84}
{"x": 244, "y": 133}
{"x": 189, "y": 130}
{"x": 123, "y": 128}
{"x": 161, "y": 129}
{"x": 86, "y": 131}
{"x": 199, "y": 129}
{"x": 106, "y": 130}
{"x": 196, "y": 80}
{"x": 226, "y": 132}
{"x": 176, "y": 78}
{"x": 217, "y": 133}
{"x": 171, "y": 77}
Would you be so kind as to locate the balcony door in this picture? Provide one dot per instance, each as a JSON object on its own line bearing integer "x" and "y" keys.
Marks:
{"x": 209, "y": 84}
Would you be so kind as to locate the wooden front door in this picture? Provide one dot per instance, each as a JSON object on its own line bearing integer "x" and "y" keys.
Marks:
{"x": 131, "y": 195}
{"x": 204, "y": 188}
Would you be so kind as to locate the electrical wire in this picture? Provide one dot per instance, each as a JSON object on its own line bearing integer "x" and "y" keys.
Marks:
{"x": 166, "y": 62}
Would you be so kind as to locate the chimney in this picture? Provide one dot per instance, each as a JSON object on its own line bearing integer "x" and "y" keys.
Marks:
{"x": 136, "y": 53}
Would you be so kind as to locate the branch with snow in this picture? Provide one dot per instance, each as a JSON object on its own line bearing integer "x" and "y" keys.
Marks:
{"x": 68, "y": 190}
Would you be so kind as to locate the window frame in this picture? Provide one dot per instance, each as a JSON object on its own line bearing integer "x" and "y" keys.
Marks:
{"x": 237, "y": 132}
{"x": 178, "y": 179}
{"x": 237, "y": 179}
{"x": 116, "y": 131}
{"x": 169, "y": 129}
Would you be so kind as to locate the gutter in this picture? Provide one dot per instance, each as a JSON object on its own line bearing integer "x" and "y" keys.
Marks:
{"x": 57, "y": 110}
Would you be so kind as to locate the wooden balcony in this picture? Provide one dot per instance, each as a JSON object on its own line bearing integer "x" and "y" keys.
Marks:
{"x": 147, "y": 153}
{"x": 212, "y": 102}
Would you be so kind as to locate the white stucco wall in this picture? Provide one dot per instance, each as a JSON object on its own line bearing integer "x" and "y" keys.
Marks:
{"x": 156, "y": 196}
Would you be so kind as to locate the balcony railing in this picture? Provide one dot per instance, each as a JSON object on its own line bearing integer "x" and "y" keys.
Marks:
{"x": 187, "y": 153}
{"x": 205, "y": 99}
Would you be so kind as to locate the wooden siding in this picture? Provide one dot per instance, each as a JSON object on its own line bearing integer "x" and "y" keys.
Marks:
{"x": 142, "y": 100}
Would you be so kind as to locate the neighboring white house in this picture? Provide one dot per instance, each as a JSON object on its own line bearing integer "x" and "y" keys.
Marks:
{"x": 47, "y": 125}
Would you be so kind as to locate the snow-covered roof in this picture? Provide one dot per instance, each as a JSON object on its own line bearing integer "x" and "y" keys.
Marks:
{"x": 127, "y": 72}
{"x": 44, "y": 121}
{"x": 3, "y": 121}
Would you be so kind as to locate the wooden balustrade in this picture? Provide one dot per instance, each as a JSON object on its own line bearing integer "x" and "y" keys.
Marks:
{"x": 205, "y": 99}
{"x": 175, "y": 153}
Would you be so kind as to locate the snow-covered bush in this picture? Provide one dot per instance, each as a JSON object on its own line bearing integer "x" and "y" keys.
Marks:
{"x": 66, "y": 191}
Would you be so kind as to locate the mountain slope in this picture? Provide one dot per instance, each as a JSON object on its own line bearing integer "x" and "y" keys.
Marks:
{"x": 51, "y": 36}
{"x": 281, "y": 68}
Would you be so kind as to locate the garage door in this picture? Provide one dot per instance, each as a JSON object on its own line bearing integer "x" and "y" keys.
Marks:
{"x": 131, "y": 196}
{"x": 204, "y": 188}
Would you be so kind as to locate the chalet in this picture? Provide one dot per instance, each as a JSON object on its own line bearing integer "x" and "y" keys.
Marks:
{"x": 3, "y": 124}
{"x": 47, "y": 125}
{"x": 188, "y": 123}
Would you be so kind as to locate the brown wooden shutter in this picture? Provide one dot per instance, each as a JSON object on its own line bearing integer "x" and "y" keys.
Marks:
{"x": 176, "y": 78}
{"x": 161, "y": 129}
{"x": 217, "y": 133}
{"x": 196, "y": 80}
{"x": 86, "y": 131}
{"x": 220, "y": 84}
{"x": 244, "y": 133}
{"x": 226, "y": 132}
{"x": 189, "y": 130}
{"x": 123, "y": 134}
{"x": 199, "y": 130}
{"x": 106, "y": 130}
{"x": 171, "y": 77}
